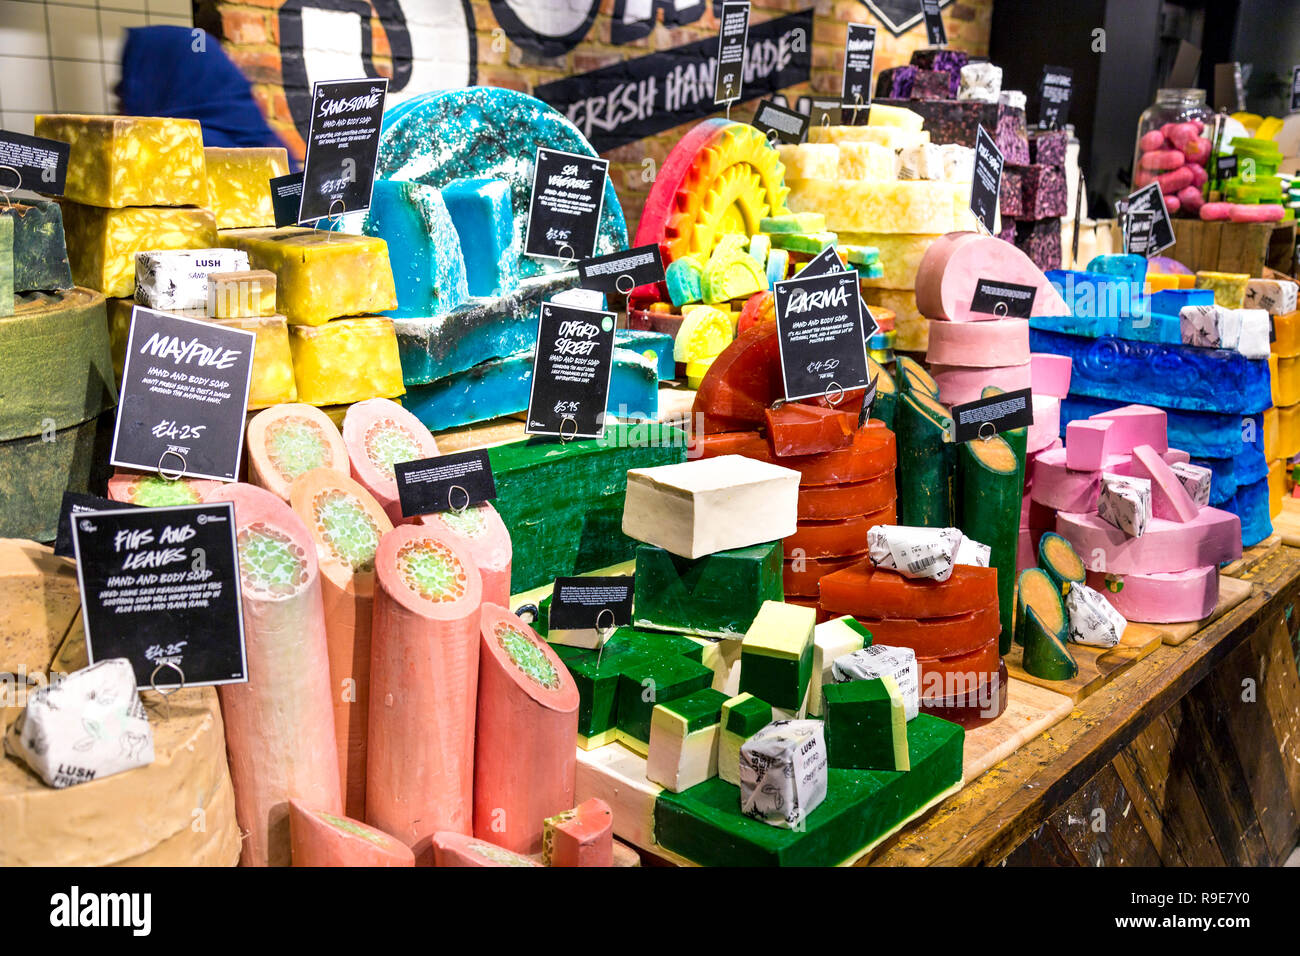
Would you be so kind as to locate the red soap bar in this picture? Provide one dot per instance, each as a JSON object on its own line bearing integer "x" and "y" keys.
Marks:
{"x": 794, "y": 429}
{"x": 837, "y": 538}
{"x": 759, "y": 307}
{"x": 864, "y": 590}
{"x": 940, "y": 636}
{"x": 969, "y": 707}
{"x": 801, "y": 576}
{"x": 940, "y": 674}
{"x": 823, "y": 502}
{"x": 872, "y": 453}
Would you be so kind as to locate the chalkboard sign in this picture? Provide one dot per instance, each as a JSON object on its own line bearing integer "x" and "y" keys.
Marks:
{"x": 820, "y": 335}
{"x": 620, "y": 272}
{"x": 35, "y": 163}
{"x": 342, "y": 147}
{"x": 564, "y": 212}
{"x": 859, "y": 65}
{"x": 571, "y": 371}
{"x": 733, "y": 35}
{"x": 987, "y": 187}
{"x": 445, "y": 483}
{"x": 1054, "y": 92}
{"x": 581, "y": 603}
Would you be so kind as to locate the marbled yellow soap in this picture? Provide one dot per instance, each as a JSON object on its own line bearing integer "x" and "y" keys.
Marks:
{"x": 320, "y": 275}
{"x": 239, "y": 191}
{"x": 119, "y": 161}
{"x": 102, "y": 243}
{"x": 893, "y": 137}
{"x": 900, "y": 256}
{"x": 237, "y": 295}
{"x": 345, "y": 361}
{"x": 273, "y": 372}
{"x": 911, "y": 328}
{"x": 907, "y": 206}
{"x": 866, "y": 161}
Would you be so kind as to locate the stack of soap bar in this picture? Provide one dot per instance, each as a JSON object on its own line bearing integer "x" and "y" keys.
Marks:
{"x": 40, "y": 255}
{"x": 684, "y": 734}
{"x": 671, "y": 675}
{"x": 482, "y": 211}
{"x": 905, "y": 206}
{"x": 345, "y": 361}
{"x": 274, "y": 380}
{"x": 718, "y": 595}
{"x": 239, "y": 192}
{"x": 423, "y": 244}
{"x": 178, "y": 279}
{"x": 776, "y": 656}
{"x": 241, "y": 295}
{"x": 102, "y": 243}
{"x": 118, "y": 161}
{"x": 958, "y": 121}
{"x": 320, "y": 275}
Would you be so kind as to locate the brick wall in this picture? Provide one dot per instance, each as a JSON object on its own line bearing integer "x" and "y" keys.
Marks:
{"x": 251, "y": 33}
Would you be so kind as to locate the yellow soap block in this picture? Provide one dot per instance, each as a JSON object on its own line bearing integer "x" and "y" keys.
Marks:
{"x": 869, "y": 162}
{"x": 905, "y": 206}
{"x": 696, "y": 370}
{"x": 911, "y": 328}
{"x": 236, "y": 295}
{"x": 1288, "y": 420}
{"x": 1272, "y": 434}
{"x": 1286, "y": 380}
{"x": 118, "y": 161}
{"x": 1229, "y": 287}
{"x": 704, "y": 333}
{"x": 239, "y": 191}
{"x": 274, "y": 377}
{"x": 896, "y": 116}
{"x": 900, "y": 255}
{"x": 1276, "y": 487}
{"x": 1287, "y": 329}
{"x": 346, "y": 361}
{"x": 320, "y": 275}
{"x": 102, "y": 242}
{"x": 809, "y": 160}
{"x": 890, "y": 137}
{"x": 1161, "y": 281}
{"x": 119, "y": 327}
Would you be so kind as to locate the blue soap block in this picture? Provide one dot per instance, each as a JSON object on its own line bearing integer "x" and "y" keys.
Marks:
{"x": 1084, "y": 326}
{"x": 1172, "y": 301}
{"x": 434, "y": 347}
{"x": 484, "y": 214}
{"x": 1098, "y": 295}
{"x": 501, "y": 386}
{"x": 1152, "y": 327}
{"x": 1200, "y": 434}
{"x": 656, "y": 346}
{"x": 423, "y": 246}
{"x": 1133, "y": 268}
{"x": 1251, "y": 505}
{"x": 684, "y": 279}
{"x": 1167, "y": 376}
{"x": 1229, "y": 474}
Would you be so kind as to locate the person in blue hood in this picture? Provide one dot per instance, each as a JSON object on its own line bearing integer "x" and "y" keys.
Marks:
{"x": 176, "y": 71}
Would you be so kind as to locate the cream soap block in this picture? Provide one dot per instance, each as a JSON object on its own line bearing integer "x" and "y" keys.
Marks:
{"x": 906, "y": 206}
{"x": 698, "y": 508}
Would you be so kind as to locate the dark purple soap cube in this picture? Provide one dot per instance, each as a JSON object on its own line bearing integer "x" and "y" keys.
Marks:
{"x": 930, "y": 85}
{"x": 1041, "y": 241}
{"x": 895, "y": 82}
{"x": 1044, "y": 192}
{"x": 1011, "y": 137}
{"x": 1047, "y": 147}
{"x": 948, "y": 61}
{"x": 1011, "y": 201}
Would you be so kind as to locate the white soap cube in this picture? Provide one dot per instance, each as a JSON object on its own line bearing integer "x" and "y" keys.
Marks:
{"x": 980, "y": 81}
{"x": 831, "y": 640}
{"x": 1255, "y": 327}
{"x": 1195, "y": 479}
{"x": 1274, "y": 296}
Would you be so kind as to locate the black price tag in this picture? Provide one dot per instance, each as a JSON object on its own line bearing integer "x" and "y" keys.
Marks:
{"x": 183, "y": 398}
{"x": 571, "y": 372}
{"x": 820, "y": 333}
{"x": 868, "y": 399}
{"x": 988, "y": 180}
{"x": 733, "y": 35}
{"x": 564, "y": 212}
{"x": 579, "y": 604}
{"x": 779, "y": 124}
{"x": 1147, "y": 229}
{"x": 1054, "y": 92}
{"x": 859, "y": 66}
{"x": 827, "y": 262}
{"x": 825, "y": 113}
{"x": 36, "y": 164}
{"x": 986, "y": 417}
{"x": 286, "y": 197}
{"x": 1295, "y": 89}
{"x": 934, "y": 28}
{"x": 160, "y": 586}
{"x": 445, "y": 483}
{"x": 620, "y": 272}
{"x": 1006, "y": 300}
{"x": 342, "y": 147}
{"x": 1225, "y": 167}
{"x": 76, "y": 503}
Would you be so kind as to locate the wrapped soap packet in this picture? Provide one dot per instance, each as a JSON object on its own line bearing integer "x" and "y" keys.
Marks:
{"x": 1125, "y": 502}
{"x": 1253, "y": 329}
{"x": 1199, "y": 325}
{"x": 1195, "y": 479}
{"x": 1093, "y": 620}
{"x": 90, "y": 724}
{"x": 1274, "y": 296}
{"x": 178, "y": 278}
{"x": 914, "y": 552}
{"x": 970, "y": 551}
{"x": 783, "y": 772}
{"x": 880, "y": 660}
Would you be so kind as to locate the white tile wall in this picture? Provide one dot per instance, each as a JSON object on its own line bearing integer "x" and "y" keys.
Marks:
{"x": 63, "y": 56}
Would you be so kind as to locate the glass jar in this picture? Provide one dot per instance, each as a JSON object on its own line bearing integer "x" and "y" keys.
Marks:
{"x": 1173, "y": 149}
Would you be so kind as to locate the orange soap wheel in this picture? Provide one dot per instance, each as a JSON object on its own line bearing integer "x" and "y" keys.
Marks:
{"x": 804, "y": 581}
{"x": 872, "y": 453}
{"x": 940, "y": 674}
{"x": 938, "y": 636}
{"x": 759, "y": 307}
{"x": 836, "y": 538}
{"x": 823, "y": 502}
{"x": 864, "y": 590}
{"x": 971, "y": 704}
{"x": 794, "y": 429}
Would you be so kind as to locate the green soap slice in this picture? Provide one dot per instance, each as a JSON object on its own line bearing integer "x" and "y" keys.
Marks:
{"x": 1057, "y": 557}
{"x": 809, "y": 243}
{"x": 793, "y": 222}
{"x": 683, "y": 277}
{"x": 866, "y": 725}
{"x": 777, "y": 653}
{"x": 862, "y": 255}
{"x": 646, "y": 681}
{"x": 746, "y": 715}
{"x": 728, "y": 244}
{"x": 697, "y": 710}
{"x": 717, "y": 596}
{"x": 704, "y": 824}
{"x": 926, "y": 466}
{"x": 992, "y": 477}
{"x": 40, "y": 249}
{"x": 914, "y": 378}
{"x": 1043, "y": 627}
{"x": 886, "y": 393}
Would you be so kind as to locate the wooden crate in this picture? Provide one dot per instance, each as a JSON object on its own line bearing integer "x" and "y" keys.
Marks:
{"x": 1247, "y": 247}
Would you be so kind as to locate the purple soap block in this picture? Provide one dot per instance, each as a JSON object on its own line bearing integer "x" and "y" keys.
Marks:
{"x": 1043, "y": 192}
{"x": 895, "y": 82}
{"x": 1011, "y": 136}
{"x": 947, "y": 61}
{"x": 930, "y": 85}
{"x": 1041, "y": 241}
{"x": 958, "y": 121}
{"x": 1011, "y": 201}
{"x": 1047, "y": 147}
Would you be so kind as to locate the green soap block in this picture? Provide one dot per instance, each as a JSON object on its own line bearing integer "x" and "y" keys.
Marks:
{"x": 646, "y": 681}
{"x": 793, "y": 222}
{"x": 699, "y": 709}
{"x": 57, "y": 367}
{"x": 6, "y": 265}
{"x": 777, "y": 653}
{"x": 870, "y": 272}
{"x": 683, "y": 277}
{"x": 34, "y": 473}
{"x": 563, "y": 502}
{"x": 658, "y": 644}
{"x": 746, "y": 716}
{"x": 718, "y": 595}
{"x": 866, "y": 727}
{"x": 732, "y": 276}
{"x": 597, "y": 678}
{"x": 704, "y": 824}
{"x": 543, "y": 623}
{"x": 40, "y": 251}
{"x": 811, "y": 243}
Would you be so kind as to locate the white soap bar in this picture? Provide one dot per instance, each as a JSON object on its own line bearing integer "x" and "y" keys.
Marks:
{"x": 1015, "y": 99}
{"x": 1125, "y": 503}
{"x": 1254, "y": 327}
{"x": 1093, "y": 619}
{"x": 832, "y": 640}
{"x": 1195, "y": 479}
{"x": 178, "y": 278}
{"x": 958, "y": 163}
{"x": 581, "y": 298}
{"x": 783, "y": 772}
{"x": 1199, "y": 325}
{"x": 921, "y": 162}
{"x": 714, "y": 504}
{"x": 914, "y": 552}
{"x": 1274, "y": 296}
{"x": 87, "y": 726}
{"x": 981, "y": 81}
{"x": 881, "y": 660}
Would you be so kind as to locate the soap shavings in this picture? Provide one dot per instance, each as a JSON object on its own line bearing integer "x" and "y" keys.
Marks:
{"x": 1093, "y": 620}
